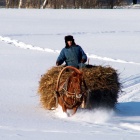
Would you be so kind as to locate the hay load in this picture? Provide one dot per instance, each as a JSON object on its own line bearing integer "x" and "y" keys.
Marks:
{"x": 102, "y": 83}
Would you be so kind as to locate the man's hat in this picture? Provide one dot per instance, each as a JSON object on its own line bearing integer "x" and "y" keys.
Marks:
{"x": 69, "y": 38}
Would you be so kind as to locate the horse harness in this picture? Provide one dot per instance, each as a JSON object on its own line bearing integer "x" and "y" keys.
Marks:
{"x": 76, "y": 99}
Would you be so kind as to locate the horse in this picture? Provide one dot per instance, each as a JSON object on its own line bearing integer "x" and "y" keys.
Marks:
{"x": 69, "y": 93}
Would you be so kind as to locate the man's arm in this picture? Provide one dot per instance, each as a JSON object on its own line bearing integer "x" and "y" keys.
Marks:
{"x": 84, "y": 56}
{"x": 61, "y": 58}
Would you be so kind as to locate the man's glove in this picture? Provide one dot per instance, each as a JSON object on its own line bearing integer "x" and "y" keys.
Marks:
{"x": 57, "y": 63}
{"x": 83, "y": 60}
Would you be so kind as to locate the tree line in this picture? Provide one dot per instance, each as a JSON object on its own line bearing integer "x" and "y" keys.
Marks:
{"x": 64, "y": 4}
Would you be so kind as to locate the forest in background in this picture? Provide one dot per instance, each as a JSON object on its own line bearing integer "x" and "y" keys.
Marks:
{"x": 65, "y": 4}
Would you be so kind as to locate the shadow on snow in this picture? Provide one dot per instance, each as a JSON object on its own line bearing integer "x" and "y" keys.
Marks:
{"x": 129, "y": 108}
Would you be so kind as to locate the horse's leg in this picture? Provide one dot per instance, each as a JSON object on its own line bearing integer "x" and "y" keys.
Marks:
{"x": 74, "y": 110}
{"x": 83, "y": 104}
{"x": 64, "y": 108}
{"x": 62, "y": 105}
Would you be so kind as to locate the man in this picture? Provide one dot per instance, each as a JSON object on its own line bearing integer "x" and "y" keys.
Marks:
{"x": 72, "y": 54}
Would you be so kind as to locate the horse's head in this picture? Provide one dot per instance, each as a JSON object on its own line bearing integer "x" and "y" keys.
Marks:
{"x": 75, "y": 83}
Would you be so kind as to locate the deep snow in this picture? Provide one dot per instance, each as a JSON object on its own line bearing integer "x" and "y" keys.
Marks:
{"x": 30, "y": 41}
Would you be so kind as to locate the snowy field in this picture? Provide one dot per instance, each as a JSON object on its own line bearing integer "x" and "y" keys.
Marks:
{"x": 30, "y": 41}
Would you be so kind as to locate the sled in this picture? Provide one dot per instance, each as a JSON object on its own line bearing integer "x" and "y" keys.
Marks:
{"x": 94, "y": 86}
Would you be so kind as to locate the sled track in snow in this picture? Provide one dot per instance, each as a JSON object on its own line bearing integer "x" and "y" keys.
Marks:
{"x": 74, "y": 33}
{"x": 23, "y": 45}
{"x": 131, "y": 89}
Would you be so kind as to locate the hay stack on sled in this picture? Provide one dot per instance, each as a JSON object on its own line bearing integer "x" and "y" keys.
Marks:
{"x": 102, "y": 82}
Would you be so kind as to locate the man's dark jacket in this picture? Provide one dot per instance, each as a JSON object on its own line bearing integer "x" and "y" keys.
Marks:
{"x": 72, "y": 55}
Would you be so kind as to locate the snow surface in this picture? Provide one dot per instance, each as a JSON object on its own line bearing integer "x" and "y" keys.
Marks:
{"x": 30, "y": 41}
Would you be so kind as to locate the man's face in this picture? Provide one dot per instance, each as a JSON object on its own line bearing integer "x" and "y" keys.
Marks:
{"x": 69, "y": 43}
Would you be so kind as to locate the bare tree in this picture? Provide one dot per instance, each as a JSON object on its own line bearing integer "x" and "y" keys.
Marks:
{"x": 7, "y": 3}
{"x": 45, "y": 4}
{"x": 20, "y": 3}
{"x": 57, "y": 4}
{"x": 39, "y": 4}
{"x": 76, "y": 3}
